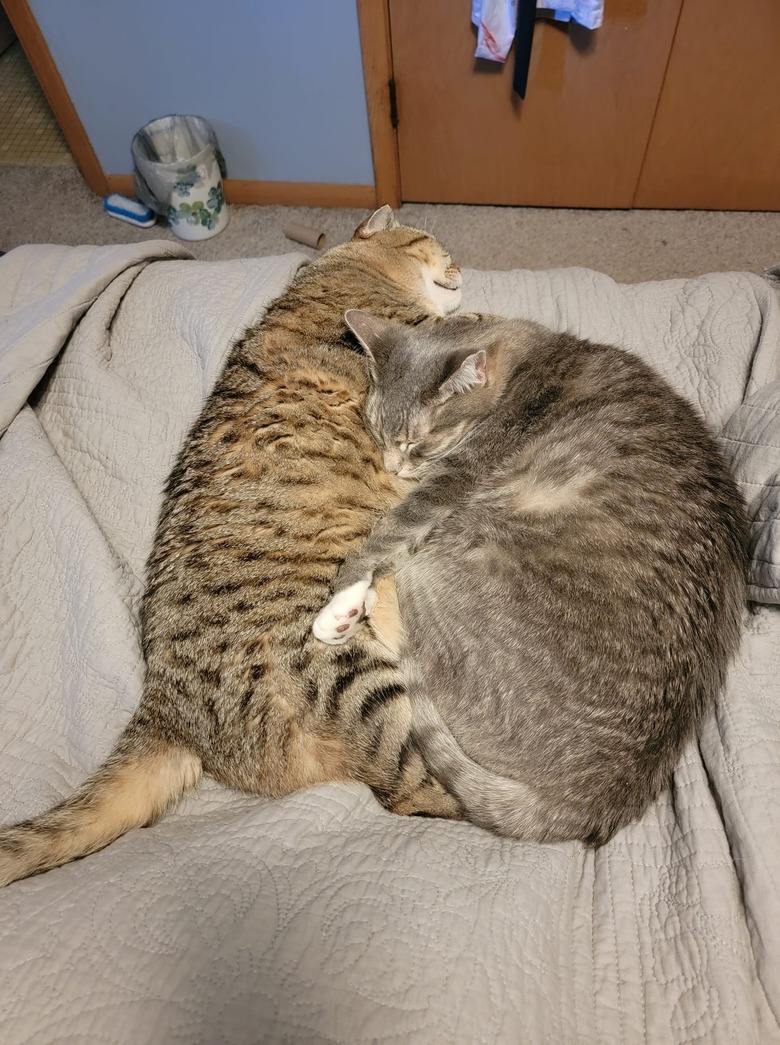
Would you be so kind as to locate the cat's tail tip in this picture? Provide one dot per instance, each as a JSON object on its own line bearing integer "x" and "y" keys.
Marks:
{"x": 496, "y": 803}
{"x": 134, "y": 788}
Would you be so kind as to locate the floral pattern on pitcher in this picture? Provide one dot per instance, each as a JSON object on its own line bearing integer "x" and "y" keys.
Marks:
{"x": 194, "y": 214}
{"x": 189, "y": 177}
{"x": 197, "y": 212}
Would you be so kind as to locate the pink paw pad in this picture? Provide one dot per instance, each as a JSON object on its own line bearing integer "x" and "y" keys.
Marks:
{"x": 344, "y": 614}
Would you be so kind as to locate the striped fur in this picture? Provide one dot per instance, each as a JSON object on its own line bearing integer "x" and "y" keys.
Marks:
{"x": 277, "y": 482}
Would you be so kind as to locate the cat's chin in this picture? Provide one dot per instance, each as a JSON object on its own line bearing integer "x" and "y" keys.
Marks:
{"x": 444, "y": 295}
{"x": 448, "y": 298}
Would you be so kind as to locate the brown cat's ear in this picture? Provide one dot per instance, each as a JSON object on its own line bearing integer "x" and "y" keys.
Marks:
{"x": 379, "y": 221}
{"x": 470, "y": 374}
{"x": 368, "y": 329}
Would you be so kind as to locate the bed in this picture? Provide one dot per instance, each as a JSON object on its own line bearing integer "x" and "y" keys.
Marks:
{"x": 320, "y": 917}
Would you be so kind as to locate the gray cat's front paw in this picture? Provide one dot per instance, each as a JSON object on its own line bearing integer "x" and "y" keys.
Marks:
{"x": 345, "y": 612}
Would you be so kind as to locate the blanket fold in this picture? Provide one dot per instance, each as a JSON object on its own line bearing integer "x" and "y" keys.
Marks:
{"x": 70, "y": 278}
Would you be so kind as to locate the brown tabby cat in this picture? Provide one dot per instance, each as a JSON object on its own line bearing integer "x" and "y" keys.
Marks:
{"x": 570, "y": 568}
{"x": 276, "y": 482}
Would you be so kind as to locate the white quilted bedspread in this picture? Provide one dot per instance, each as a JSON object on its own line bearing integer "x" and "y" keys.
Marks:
{"x": 321, "y": 918}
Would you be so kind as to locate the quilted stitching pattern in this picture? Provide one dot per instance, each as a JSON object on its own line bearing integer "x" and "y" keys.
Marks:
{"x": 751, "y": 438}
{"x": 320, "y": 918}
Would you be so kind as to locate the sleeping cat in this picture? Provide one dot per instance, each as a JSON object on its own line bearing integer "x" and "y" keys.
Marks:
{"x": 570, "y": 567}
{"x": 276, "y": 482}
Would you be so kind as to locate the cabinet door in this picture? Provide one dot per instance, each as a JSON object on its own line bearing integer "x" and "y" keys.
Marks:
{"x": 577, "y": 140}
{"x": 716, "y": 138}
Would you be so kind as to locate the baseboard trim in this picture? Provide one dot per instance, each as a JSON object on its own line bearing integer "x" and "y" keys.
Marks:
{"x": 285, "y": 193}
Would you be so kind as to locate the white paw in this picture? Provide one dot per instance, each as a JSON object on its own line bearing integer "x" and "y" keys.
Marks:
{"x": 345, "y": 613}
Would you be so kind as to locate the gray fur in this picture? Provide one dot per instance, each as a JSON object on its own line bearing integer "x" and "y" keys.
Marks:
{"x": 570, "y": 568}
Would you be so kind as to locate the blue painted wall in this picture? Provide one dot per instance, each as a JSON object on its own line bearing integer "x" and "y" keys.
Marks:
{"x": 281, "y": 81}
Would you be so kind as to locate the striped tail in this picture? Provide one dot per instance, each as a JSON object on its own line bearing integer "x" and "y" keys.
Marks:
{"x": 134, "y": 788}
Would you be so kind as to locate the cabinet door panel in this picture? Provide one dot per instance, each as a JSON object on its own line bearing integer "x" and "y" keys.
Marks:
{"x": 577, "y": 140}
{"x": 716, "y": 138}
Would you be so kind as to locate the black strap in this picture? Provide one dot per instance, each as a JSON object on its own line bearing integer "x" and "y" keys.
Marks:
{"x": 524, "y": 37}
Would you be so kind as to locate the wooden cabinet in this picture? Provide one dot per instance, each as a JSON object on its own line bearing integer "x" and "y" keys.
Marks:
{"x": 715, "y": 141}
{"x": 672, "y": 103}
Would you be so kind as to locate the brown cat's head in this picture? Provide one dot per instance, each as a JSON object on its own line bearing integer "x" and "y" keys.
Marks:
{"x": 427, "y": 388}
{"x": 408, "y": 256}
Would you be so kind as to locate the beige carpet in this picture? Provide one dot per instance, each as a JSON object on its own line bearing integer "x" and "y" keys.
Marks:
{"x": 53, "y": 205}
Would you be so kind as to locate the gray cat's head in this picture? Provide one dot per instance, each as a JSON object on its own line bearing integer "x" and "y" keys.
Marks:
{"x": 424, "y": 395}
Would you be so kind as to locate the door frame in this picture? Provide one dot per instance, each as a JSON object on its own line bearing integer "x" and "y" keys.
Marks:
{"x": 377, "y": 63}
{"x": 376, "y": 45}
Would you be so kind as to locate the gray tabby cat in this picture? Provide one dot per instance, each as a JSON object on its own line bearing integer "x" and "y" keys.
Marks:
{"x": 570, "y": 569}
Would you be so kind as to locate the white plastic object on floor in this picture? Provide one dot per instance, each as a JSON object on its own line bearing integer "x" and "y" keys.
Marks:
{"x": 129, "y": 210}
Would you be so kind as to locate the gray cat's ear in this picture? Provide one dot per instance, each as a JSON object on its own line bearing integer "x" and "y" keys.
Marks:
{"x": 368, "y": 329}
{"x": 470, "y": 374}
{"x": 380, "y": 221}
